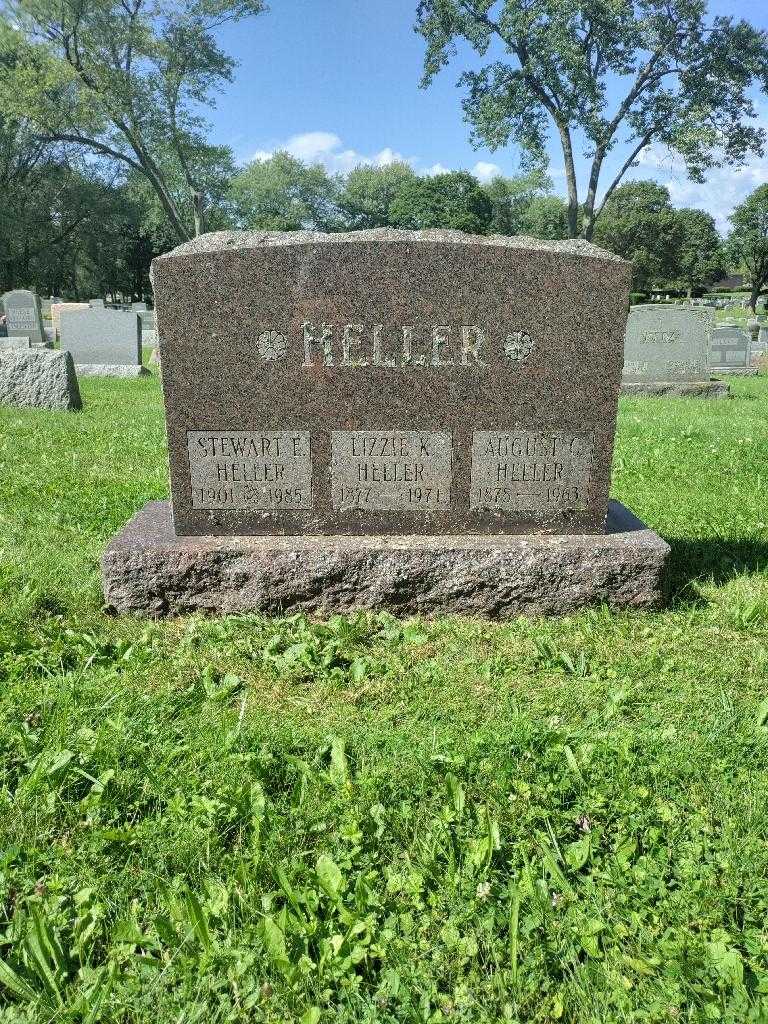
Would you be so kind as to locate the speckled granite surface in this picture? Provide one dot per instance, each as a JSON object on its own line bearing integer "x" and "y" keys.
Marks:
{"x": 148, "y": 570}
{"x": 389, "y": 382}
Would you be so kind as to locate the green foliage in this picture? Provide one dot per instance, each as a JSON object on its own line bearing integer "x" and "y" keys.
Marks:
{"x": 368, "y": 193}
{"x": 284, "y": 194}
{"x": 512, "y": 199}
{"x": 747, "y": 243}
{"x": 545, "y": 217}
{"x": 648, "y": 71}
{"x": 639, "y": 224}
{"x": 700, "y": 258}
{"x": 364, "y": 819}
{"x": 125, "y": 82}
{"x": 453, "y": 200}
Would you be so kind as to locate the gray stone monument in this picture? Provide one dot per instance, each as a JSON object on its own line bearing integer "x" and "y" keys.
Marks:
{"x": 15, "y": 343}
{"x": 23, "y": 316}
{"x": 730, "y": 352}
{"x": 666, "y": 353}
{"x": 103, "y": 342}
{"x": 391, "y": 420}
{"x": 139, "y": 307}
{"x": 39, "y": 379}
{"x": 148, "y": 328}
{"x": 96, "y": 303}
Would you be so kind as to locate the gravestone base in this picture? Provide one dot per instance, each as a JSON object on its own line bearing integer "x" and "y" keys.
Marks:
{"x": 735, "y": 371}
{"x": 110, "y": 370}
{"x": 147, "y": 569}
{"x": 678, "y": 389}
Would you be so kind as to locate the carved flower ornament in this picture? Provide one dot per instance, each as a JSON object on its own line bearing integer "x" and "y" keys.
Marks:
{"x": 272, "y": 345}
{"x": 518, "y": 346}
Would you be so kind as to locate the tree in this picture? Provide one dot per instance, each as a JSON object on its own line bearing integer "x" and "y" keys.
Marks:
{"x": 368, "y": 193}
{"x": 700, "y": 256}
{"x": 511, "y": 198}
{"x": 686, "y": 82}
{"x": 284, "y": 194}
{"x": 545, "y": 217}
{"x": 640, "y": 224}
{"x": 123, "y": 79}
{"x": 747, "y": 243}
{"x": 453, "y": 200}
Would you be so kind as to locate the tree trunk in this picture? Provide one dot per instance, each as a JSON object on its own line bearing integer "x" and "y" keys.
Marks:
{"x": 754, "y": 296}
{"x": 570, "y": 177}
{"x": 588, "y": 225}
{"x": 198, "y": 204}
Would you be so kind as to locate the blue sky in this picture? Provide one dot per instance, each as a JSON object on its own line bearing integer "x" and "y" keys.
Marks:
{"x": 336, "y": 81}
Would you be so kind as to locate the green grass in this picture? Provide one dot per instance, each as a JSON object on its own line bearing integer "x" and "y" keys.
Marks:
{"x": 244, "y": 819}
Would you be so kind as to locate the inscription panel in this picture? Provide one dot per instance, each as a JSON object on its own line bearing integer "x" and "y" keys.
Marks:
{"x": 20, "y": 318}
{"x": 667, "y": 343}
{"x": 530, "y": 472}
{"x": 252, "y": 470}
{"x": 390, "y": 470}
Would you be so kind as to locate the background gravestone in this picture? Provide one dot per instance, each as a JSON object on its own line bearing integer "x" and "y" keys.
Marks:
{"x": 416, "y": 421}
{"x": 730, "y": 351}
{"x": 666, "y": 352}
{"x": 96, "y": 303}
{"x": 103, "y": 342}
{"x": 39, "y": 379}
{"x": 15, "y": 343}
{"x": 148, "y": 328}
{"x": 56, "y": 310}
{"x": 23, "y": 316}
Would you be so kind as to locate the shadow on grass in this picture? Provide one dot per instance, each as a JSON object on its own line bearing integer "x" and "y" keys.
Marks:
{"x": 710, "y": 560}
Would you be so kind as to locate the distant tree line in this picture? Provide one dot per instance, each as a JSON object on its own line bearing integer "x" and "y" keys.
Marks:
{"x": 72, "y": 228}
{"x": 105, "y": 161}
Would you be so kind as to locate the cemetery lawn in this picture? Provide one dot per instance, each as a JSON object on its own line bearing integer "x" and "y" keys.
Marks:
{"x": 244, "y": 819}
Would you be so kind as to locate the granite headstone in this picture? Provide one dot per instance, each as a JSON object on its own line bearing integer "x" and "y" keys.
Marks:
{"x": 103, "y": 342}
{"x": 666, "y": 353}
{"x": 389, "y": 383}
{"x": 56, "y": 310}
{"x": 417, "y": 421}
{"x": 667, "y": 343}
{"x": 730, "y": 350}
{"x": 23, "y": 316}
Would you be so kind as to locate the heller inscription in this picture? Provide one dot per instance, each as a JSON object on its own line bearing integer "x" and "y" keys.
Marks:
{"x": 529, "y": 472}
{"x": 390, "y": 470}
{"x": 243, "y": 469}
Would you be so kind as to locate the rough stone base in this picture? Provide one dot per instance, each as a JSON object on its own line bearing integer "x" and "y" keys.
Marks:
{"x": 110, "y": 370}
{"x": 39, "y": 379}
{"x": 147, "y": 569}
{"x": 678, "y": 389}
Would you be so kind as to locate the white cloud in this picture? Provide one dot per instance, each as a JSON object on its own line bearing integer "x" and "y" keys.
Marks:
{"x": 326, "y": 148}
{"x": 484, "y": 170}
{"x": 724, "y": 188}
